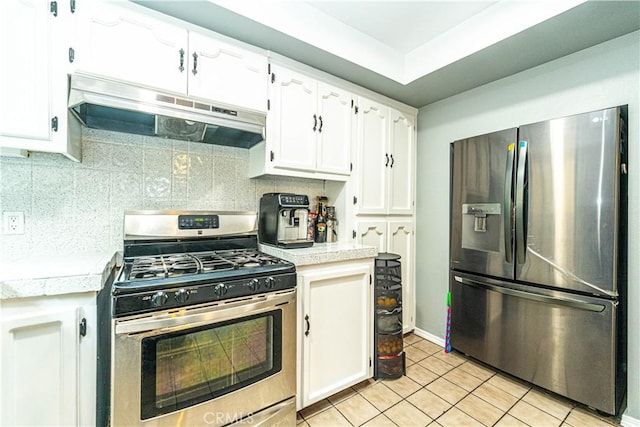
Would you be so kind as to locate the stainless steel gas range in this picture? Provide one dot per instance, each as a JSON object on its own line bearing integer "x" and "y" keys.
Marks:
{"x": 199, "y": 327}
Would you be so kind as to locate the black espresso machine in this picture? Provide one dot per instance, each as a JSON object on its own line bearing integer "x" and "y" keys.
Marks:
{"x": 283, "y": 220}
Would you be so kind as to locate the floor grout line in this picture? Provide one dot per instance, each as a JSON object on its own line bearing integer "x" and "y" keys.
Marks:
{"x": 358, "y": 391}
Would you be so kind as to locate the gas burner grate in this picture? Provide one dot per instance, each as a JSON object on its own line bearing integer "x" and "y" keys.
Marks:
{"x": 164, "y": 266}
{"x": 248, "y": 258}
{"x": 147, "y": 268}
{"x": 210, "y": 261}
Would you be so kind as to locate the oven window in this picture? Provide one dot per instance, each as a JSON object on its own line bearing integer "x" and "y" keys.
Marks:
{"x": 181, "y": 369}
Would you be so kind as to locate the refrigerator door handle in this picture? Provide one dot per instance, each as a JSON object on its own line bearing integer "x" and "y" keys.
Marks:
{"x": 521, "y": 243}
{"x": 507, "y": 206}
{"x": 566, "y": 302}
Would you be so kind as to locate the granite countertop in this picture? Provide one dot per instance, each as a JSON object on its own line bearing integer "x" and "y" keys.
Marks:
{"x": 321, "y": 253}
{"x": 56, "y": 275}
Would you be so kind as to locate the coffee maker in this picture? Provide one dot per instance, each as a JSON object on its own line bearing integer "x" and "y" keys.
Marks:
{"x": 284, "y": 220}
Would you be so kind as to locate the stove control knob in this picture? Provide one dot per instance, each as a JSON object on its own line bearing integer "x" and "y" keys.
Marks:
{"x": 220, "y": 289}
{"x": 253, "y": 285}
{"x": 158, "y": 299}
{"x": 269, "y": 282}
{"x": 181, "y": 295}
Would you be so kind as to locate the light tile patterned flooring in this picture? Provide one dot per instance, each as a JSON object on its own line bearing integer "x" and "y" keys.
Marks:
{"x": 443, "y": 389}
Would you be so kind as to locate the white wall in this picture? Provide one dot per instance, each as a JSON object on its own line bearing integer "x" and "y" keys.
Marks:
{"x": 602, "y": 76}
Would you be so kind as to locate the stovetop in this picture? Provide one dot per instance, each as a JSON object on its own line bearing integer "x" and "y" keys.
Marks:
{"x": 185, "y": 264}
{"x": 176, "y": 259}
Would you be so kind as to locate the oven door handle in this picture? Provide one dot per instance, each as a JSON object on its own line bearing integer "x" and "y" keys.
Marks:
{"x": 203, "y": 315}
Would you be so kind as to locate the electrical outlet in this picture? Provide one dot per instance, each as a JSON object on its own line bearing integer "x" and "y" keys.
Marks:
{"x": 13, "y": 223}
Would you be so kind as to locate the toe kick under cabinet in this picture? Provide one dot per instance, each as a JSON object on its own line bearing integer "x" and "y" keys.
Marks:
{"x": 334, "y": 328}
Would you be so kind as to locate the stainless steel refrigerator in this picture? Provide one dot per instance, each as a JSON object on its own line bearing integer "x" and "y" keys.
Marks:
{"x": 538, "y": 254}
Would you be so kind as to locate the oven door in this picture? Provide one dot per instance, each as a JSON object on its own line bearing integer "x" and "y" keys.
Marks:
{"x": 207, "y": 365}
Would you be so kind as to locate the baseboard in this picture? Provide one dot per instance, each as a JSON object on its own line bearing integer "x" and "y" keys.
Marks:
{"x": 628, "y": 421}
{"x": 429, "y": 337}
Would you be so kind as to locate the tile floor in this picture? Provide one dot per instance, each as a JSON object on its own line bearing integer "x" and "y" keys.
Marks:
{"x": 443, "y": 389}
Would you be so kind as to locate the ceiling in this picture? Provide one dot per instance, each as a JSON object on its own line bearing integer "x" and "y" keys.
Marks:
{"x": 417, "y": 52}
{"x": 401, "y": 25}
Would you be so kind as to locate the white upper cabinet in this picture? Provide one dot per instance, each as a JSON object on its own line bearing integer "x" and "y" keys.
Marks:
{"x": 119, "y": 43}
{"x": 335, "y": 114}
{"x": 26, "y": 70}
{"x": 309, "y": 128}
{"x": 226, "y": 73}
{"x": 124, "y": 44}
{"x": 401, "y": 171}
{"x": 34, "y": 46}
{"x": 386, "y": 141}
{"x": 292, "y": 120}
{"x": 373, "y": 159}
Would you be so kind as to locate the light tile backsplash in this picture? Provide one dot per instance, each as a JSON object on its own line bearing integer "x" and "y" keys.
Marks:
{"x": 74, "y": 207}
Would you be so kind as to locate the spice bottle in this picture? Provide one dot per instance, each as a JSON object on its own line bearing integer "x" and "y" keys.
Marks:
{"x": 332, "y": 225}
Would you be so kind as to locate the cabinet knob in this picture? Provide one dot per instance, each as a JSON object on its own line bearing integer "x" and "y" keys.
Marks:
{"x": 315, "y": 122}
{"x": 320, "y": 128}
{"x": 387, "y": 156}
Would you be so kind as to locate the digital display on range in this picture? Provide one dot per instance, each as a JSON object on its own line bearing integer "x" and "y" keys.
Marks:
{"x": 188, "y": 222}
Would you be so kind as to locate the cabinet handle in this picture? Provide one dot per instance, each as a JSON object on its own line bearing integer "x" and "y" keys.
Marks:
{"x": 181, "y": 67}
{"x": 392, "y": 161}
{"x": 315, "y": 122}
{"x": 306, "y": 319}
{"x": 320, "y": 128}
{"x": 387, "y": 163}
{"x": 83, "y": 327}
{"x": 195, "y": 64}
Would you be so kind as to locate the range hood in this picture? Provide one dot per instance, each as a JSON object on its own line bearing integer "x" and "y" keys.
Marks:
{"x": 100, "y": 103}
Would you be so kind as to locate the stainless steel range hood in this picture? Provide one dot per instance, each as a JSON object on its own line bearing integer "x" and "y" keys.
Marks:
{"x": 113, "y": 105}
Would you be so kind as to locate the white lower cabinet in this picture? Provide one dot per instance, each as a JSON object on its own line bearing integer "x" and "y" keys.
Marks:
{"x": 335, "y": 329}
{"x": 47, "y": 371}
{"x": 394, "y": 236}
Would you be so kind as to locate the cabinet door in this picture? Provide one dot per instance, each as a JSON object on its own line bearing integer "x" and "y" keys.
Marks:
{"x": 227, "y": 74}
{"x": 119, "y": 43}
{"x": 25, "y": 80}
{"x": 292, "y": 120}
{"x": 373, "y": 137}
{"x": 336, "y": 348}
{"x": 33, "y": 84}
{"x": 401, "y": 242}
{"x": 401, "y": 167}
{"x": 372, "y": 233}
{"x": 39, "y": 368}
{"x": 334, "y": 131}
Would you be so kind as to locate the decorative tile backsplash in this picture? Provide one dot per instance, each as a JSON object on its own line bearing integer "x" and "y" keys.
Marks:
{"x": 74, "y": 207}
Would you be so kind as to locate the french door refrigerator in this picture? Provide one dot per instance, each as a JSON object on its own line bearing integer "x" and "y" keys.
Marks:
{"x": 538, "y": 254}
